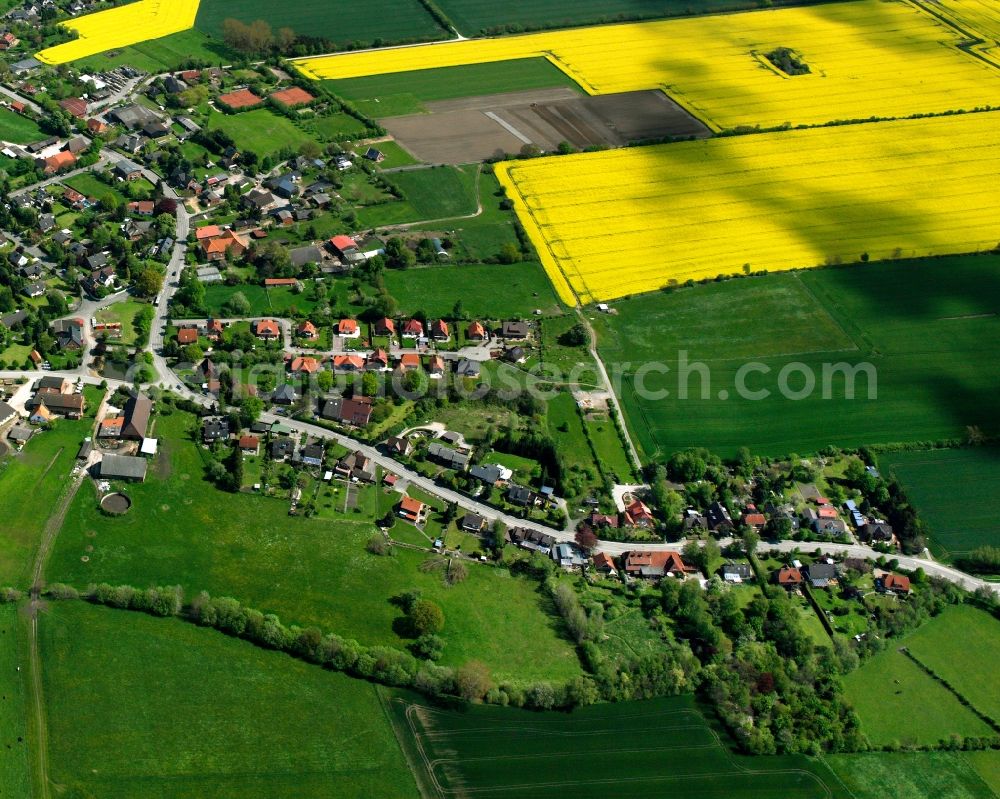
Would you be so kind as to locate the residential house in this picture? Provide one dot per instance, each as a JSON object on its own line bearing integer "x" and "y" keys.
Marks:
{"x": 491, "y": 474}
{"x": 737, "y": 572}
{"x": 56, "y": 163}
{"x": 356, "y": 411}
{"x": 821, "y": 574}
{"x": 638, "y": 514}
{"x": 568, "y": 556}
{"x": 467, "y": 368}
{"x": 74, "y": 106}
{"x": 602, "y": 521}
{"x": 413, "y": 510}
{"x": 515, "y": 355}
{"x": 378, "y": 360}
{"x": 718, "y": 517}
{"x": 476, "y": 332}
{"x": 893, "y": 583}
{"x": 435, "y": 367}
{"x": 284, "y": 395}
{"x": 515, "y": 330}
{"x": 656, "y": 564}
{"x": 789, "y": 577}
{"x": 413, "y": 328}
{"x": 127, "y": 170}
{"x": 604, "y": 563}
{"x": 226, "y": 245}
{"x": 452, "y": 458}
{"x": 473, "y": 523}
{"x": 519, "y": 495}
{"x": 439, "y": 330}
{"x": 313, "y": 454}
{"x": 348, "y": 363}
{"x": 348, "y": 328}
{"x": 396, "y": 445}
{"x": 876, "y": 532}
{"x": 830, "y": 527}
{"x": 213, "y": 430}
{"x": 754, "y": 519}
{"x": 307, "y": 330}
{"x": 267, "y": 329}
{"x": 409, "y": 361}
{"x": 385, "y": 327}
{"x": 357, "y": 467}
{"x": 68, "y": 333}
{"x": 532, "y": 539}
{"x": 249, "y": 445}
{"x": 187, "y": 335}
{"x": 304, "y": 364}
{"x": 282, "y": 449}
{"x": 374, "y": 155}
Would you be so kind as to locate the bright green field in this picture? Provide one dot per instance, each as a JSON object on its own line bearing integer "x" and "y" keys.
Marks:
{"x": 888, "y": 687}
{"x": 656, "y": 748}
{"x": 339, "y": 21}
{"x": 473, "y": 16}
{"x": 161, "y": 709}
{"x": 31, "y": 483}
{"x": 123, "y": 313}
{"x": 954, "y": 491}
{"x": 395, "y": 155}
{"x": 943, "y": 645}
{"x": 486, "y": 290}
{"x": 927, "y": 327}
{"x": 181, "y": 530}
{"x": 17, "y": 128}
{"x": 406, "y": 93}
{"x": 263, "y": 301}
{"x": 15, "y": 776}
{"x": 942, "y": 775}
{"x": 87, "y": 184}
{"x": 260, "y": 130}
{"x": 987, "y": 766}
{"x": 163, "y": 54}
{"x": 429, "y": 194}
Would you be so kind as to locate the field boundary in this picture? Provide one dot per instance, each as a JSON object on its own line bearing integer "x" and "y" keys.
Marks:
{"x": 962, "y": 700}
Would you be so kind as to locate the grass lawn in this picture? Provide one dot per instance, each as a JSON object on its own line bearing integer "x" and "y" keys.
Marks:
{"x": 573, "y": 363}
{"x": 485, "y": 290}
{"x": 474, "y": 420}
{"x": 943, "y": 646}
{"x": 885, "y": 690}
{"x": 406, "y": 92}
{"x": 182, "y": 530}
{"x": 260, "y": 130}
{"x": 161, "y": 55}
{"x": 395, "y": 155}
{"x": 431, "y": 194}
{"x": 31, "y": 483}
{"x": 139, "y": 706}
{"x": 926, "y": 326}
{"x": 953, "y": 491}
{"x": 124, "y": 313}
{"x": 610, "y": 449}
{"x": 334, "y": 127}
{"x": 88, "y": 185}
{"x": 661, "y": 747}
{"x": 338, "y": 21}
{"x": 15, "y": 774}
{"x": 943, "y": 775}
{"x": 987, "y": 766}
{"x": 16, "y": 354}
{"x": 263, "y": 301}
{"x": 18, "y": 129}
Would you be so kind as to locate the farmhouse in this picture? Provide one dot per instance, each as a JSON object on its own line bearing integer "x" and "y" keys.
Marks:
{"x": 55, "y": 402}
{"x": 122, "y": 467}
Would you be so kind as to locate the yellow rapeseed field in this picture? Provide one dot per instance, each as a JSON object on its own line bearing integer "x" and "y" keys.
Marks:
{"x": 626, "y": 221}
{"x": 884, "y": 58}
{"x": 979, "y": 18}
{"x": 122, "y": 26}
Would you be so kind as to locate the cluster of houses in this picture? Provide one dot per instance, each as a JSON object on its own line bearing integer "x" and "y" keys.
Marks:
{"x": 55, "y": 397}
{"x": 826, "y": 573}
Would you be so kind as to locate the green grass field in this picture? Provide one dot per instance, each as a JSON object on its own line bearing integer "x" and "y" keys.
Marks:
{"x": 405, "y": 93}
{"x": 987, "y": 766}
{"x": 609, "y": 447}
{"x": 159, "y": 708}
{"x": 627, "y": 750}
{"x": 886, "y": 688}
{"x": 87, "y": 184}
{"x": 435, "y": 193}
{"x": 163, "y": 54}
{"x": 263, "y": 131}
{"x": 953, "y": 491}
{"x": 278, "y": 301}
{"x": 486, "y": 290}
{"x": 182, "y": 530}
{"x": 31, "y": 483}
{"x": 395, "y": 155}
{"x": 475, "y": 16}
{"x": 338, "y": 21}
{"x": 943, "y": 645}
{"x": 123, "y": 313}
{"x": 18, "y": 129}
{"x": 15, "y": 775}
{"x": 927, "y": 327}
{"x": 943, "y": 775}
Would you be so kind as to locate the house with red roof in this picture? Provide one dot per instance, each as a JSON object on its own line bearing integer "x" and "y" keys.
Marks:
{"x": 656, "y": 564}
{"x": 385, "y": 327}
{"x": 378, "y": 360}
{"x": 348, "y": 328}
{"x": 224, "y": 245}
{"x": 266, "y": 329}
{"x": 895, "y": 583}
{"x": 348, "y": 363}
{"x": 409, "y": 361}
{"x": 207, "y": 232}
{"x": 413, "y": 328}
{"x": 304, "y": 364}
{"x": 187, "y": 335}
{"x": 307, "y": 330}
{"x": 249, "y": 445}
{"x": 56, "y": 163}
{"x": 638, "y": 514}
{"x": 604, "y": 563}
{"x": 435, "y": 368}
{"x": 413, "y": 510}
{"x": 344, "y": 246}
{"x": 789, "y": 577}
{"x": 476, "y": 332}
{"x": 273, "y": 282}
{"x": 74, "y": 106}
{"x": 440, "y": 330}
{"x": 17, "y": 106}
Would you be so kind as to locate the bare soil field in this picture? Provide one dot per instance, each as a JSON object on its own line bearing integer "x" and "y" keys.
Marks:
{"x": 476, "y": 128}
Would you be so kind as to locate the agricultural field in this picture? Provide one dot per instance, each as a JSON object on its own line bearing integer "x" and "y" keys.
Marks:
{"x": 724, "y": 206}
{"x": 161, "y": 55}
{"x": 485, "y": 290}
{"x": 631, "y": 749}
{"x": 942, "y": 645}
{"x": 482, "y": 16}
{"x": 407, "y": 92}
{"x": 226, "y": 719}
{"x": 980, "y": 18}
{"x": 953, "y": 491}
{"x": 120, "y": 27}
{"x": 18, "y": 129}
{"x": 15, "y": 776}
{"x": 339, "y": 21}
{"x": 926, "y": 326}
{"x": 943, "y": 775}
{"x": 884, "y": 692}
{"x": 44, "y": 464}
{"x": 307, "y": 570}
{"x": 866, "y": 59}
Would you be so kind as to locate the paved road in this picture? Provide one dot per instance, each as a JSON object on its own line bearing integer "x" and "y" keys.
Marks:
{"x": 15, "y": 96}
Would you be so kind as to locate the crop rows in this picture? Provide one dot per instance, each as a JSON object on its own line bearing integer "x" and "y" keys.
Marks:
{"x": 120, "y": 27}
{"x": 867, "y": 59}
{"x": 627, "y": 221}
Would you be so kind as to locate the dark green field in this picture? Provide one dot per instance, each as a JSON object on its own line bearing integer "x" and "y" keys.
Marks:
{"x": 486, "y": 290}
{"x": 473, "y": 16}
{"x": 15, "y": 777}
{"x": 955, "y": 492}
{"x": 340, "y": 21}
{"x": 929, "y": 328}
{"x": 429, "y": 195}
{"x": 656, "y": 748}
{"x": 182, "y": 530}
{"x": 942, "y": 775}
{"x": 161, "y": 709}
{"x": 405, "y": 93}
